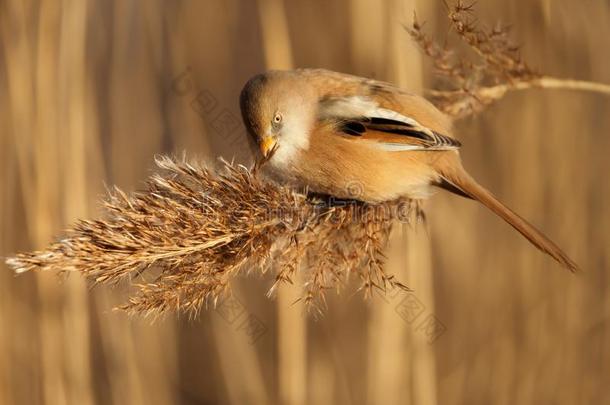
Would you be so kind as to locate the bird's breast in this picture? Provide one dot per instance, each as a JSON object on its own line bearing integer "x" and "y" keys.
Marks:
{"x": 348, "y": 169}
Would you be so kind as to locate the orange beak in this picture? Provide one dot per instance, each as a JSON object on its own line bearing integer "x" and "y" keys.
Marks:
{"x": 267, "y": 145}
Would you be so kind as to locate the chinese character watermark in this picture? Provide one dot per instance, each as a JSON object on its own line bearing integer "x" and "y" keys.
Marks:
{"x": 222, "y": 122}
{"x": 235, "y": 314}
{"x": 413, "y": 311}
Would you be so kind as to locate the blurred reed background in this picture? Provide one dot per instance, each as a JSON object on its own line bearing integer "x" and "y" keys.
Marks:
{"x": 92, "y": 90}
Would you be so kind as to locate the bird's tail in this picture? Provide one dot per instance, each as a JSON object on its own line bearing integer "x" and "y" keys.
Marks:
{"x": 460, "y": 182}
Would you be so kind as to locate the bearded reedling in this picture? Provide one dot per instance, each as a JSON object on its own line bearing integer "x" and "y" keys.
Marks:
{"x": 326, "y": 131}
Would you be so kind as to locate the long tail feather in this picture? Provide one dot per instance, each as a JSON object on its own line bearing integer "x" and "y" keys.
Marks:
{"x": 460, "y": 179}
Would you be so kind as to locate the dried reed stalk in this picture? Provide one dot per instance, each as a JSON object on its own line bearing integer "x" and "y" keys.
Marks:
{"x": 193, "y": 229}
{"x": 469, "y": 84}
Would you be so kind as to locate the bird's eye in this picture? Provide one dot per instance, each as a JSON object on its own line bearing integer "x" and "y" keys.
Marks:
{"x": 277, "y": 118}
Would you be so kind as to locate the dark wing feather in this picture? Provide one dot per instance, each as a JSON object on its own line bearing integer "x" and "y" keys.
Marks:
{"x": 391, "y": 130}
{"x": 432, "y": 139}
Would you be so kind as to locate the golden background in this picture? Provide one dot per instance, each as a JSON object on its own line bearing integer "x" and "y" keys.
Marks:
{"x": 91, "y": 90}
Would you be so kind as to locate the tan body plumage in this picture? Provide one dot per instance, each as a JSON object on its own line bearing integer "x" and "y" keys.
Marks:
{"x": 352, "y": 137}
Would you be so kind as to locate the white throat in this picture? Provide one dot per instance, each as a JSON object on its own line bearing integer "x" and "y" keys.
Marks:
{"x": 293, "y": 139}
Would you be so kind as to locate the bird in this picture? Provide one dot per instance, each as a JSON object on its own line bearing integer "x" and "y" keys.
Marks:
{"x": 332, "y": 133}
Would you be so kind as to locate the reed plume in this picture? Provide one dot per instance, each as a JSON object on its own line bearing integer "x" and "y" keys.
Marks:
{"x": 183, "y": 239}
{"x": 469, "y": 83}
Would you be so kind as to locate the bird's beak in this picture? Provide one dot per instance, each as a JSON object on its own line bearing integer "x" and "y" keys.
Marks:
{"x": 267, "y": 145}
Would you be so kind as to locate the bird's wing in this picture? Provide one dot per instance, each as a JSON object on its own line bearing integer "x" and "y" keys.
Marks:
{"x": 365, "y": 119}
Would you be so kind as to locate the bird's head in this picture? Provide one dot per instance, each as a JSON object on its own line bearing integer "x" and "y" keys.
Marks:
{"x": 278, "y": 109}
